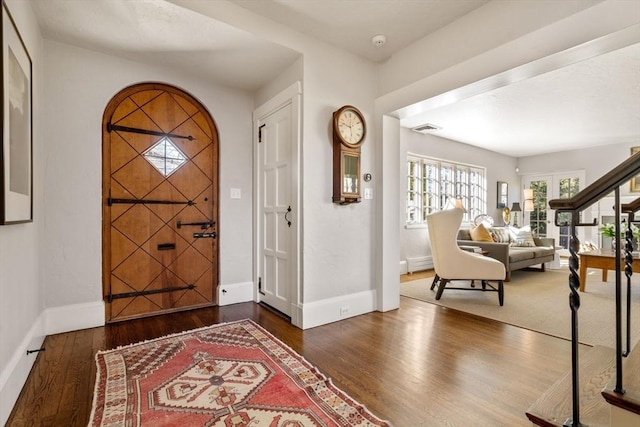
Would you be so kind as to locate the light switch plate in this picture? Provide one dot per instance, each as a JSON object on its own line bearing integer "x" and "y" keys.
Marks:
{"x": 368, "y": 193}
{"x": 236, "y": 193}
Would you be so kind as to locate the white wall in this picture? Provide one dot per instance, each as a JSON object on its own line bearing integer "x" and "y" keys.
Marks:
{"x": 20, "y": 249}
{"x": 414, "y": 242}
{"x": 338, "y": 242}
{"x": 595, "y": 161}
{"x": 78, "y": 85}
{"x": 338, "y": 245}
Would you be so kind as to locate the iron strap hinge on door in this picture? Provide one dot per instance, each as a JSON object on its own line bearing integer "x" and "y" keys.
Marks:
{"x": 111, "y": 297}
{"x": 111, "y": 201}
{"x": 112, "y": 127}
{"x": 260, "y": 286}
{"x": 260, "y": 133}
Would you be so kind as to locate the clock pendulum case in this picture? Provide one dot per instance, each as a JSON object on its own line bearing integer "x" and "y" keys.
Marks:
{"x": 349, "y": 131}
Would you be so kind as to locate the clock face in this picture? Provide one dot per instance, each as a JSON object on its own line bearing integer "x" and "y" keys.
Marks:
{"x": 351, "y": 127}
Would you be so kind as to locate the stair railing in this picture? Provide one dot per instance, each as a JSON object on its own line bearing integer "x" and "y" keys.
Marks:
{"x": 630, "y": 209}
{"x": 610, "y": 182}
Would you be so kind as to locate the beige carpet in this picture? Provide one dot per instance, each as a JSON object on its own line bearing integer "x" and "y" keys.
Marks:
{"x": 540, "y": 302}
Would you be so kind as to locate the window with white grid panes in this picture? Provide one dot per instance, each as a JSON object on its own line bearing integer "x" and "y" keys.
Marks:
{"x": 432, "y": 182}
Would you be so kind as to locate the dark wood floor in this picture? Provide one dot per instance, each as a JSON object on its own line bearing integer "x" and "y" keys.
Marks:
{"x": 421, "y": 365}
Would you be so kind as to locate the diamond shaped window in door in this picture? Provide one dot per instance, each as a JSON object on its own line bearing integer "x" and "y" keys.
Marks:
{"x": 165, "y": 157}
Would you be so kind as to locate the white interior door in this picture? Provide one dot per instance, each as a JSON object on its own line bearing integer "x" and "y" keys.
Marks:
{"x": 541, "y": 218}
{"x": 277, "y": 210}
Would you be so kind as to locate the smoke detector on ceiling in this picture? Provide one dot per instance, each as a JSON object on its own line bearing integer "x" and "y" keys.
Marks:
{"x": 379, "y": 40}
{"x": 426, "y": 128}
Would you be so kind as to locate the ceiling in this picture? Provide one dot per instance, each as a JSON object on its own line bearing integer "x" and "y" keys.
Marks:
{"x": 593, "y": 102}
{"x": 351, "y": 24}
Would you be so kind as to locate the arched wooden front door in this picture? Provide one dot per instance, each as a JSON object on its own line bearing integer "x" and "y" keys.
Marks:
{"x": 160, "y": 203}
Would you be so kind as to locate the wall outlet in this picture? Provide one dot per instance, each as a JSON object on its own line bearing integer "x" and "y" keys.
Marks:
{"x": 236, "y": 193}
{"x": 344, "y": 310}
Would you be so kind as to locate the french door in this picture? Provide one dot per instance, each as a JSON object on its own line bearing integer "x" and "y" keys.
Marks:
{"x": 160, "y": 203}
{"x": 546, "y": 188}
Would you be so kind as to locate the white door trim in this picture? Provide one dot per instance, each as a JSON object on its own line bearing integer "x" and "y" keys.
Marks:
{"x": 291, "y": 95}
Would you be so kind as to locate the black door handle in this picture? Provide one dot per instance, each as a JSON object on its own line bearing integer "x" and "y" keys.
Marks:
{"x": 285, "y": 216}
{"x": 212, "y": 235}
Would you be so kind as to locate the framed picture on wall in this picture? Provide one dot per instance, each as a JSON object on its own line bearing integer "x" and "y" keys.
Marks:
{"x": 502, "y": 195}
{"x": 16, "y": 174}
{"x": 635, "y": 181}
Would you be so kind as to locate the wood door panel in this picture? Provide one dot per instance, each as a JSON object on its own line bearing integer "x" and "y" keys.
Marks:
{"x": 121, "y": 247}
{"x": 190, "y": 181}
{"x": 190, "y": 265}
{"x": 201, "y": 121}
{"x": 142, "y": 97}
{"x": 191, "y": 147}
{"x": 202, "y": 159}
{"x": 138, "y": 142}
{"x": 138, "y": 270}
{"x": 141, "y": 120}
{"x": 123, "y": 155}
{"x": 139, "y": 177}
{"x": 126, "y": 107}
{"x": 118, "y": 191}
{"x": 138, "y": 224}
{"x": 166, "y": 112}
{"x": 165, "y": 236}
{"x": 151, "y": 263}
{"x": 186, "y": 105}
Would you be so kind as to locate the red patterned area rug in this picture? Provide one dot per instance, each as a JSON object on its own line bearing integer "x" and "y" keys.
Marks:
{"x": 232, "y": 375}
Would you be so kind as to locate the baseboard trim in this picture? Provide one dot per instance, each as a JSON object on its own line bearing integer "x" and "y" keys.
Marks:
{"x": 330, "y": 310}
{"x": 13, "y": 377}
{"x": 235, "y": 293}
{"x": 73, "y": 317}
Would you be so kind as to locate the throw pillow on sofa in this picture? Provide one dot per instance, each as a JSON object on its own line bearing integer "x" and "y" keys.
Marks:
{"x": 501, "y": 235}
{"x": 522, "y": 237}
{"x": 480, "y": 234}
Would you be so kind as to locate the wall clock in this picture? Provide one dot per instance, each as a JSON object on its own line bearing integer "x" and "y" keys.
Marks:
{"x": 349, "y": 131}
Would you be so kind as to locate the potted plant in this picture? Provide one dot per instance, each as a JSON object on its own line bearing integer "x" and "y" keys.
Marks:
{"x": 609, "y": 230}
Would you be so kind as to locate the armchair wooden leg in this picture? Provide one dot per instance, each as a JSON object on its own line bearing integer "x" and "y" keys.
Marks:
{"x": 501, "y": 293}
{"x": 435, "y": 281}
{"x": 441, "y": 285}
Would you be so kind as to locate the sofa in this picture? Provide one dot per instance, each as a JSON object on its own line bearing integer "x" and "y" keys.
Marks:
{"x": 506, "y": 247}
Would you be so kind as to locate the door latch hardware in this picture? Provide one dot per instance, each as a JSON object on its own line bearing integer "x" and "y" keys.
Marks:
{"x": 211, "y": 235}
{"x": 204, "y": 225}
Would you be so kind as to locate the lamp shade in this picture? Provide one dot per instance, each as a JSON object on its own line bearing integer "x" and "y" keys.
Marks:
{"x": 515, "y": 207}
{"x": 528, "y": 205}
{"x": 528, "y": 194}
{"x": 528, "y": 200}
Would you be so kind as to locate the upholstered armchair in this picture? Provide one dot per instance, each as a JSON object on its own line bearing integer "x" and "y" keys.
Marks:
{"x": 452, "y": 263}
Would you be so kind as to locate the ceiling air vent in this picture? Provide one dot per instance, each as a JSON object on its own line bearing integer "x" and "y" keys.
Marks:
{"x": 426, "y": 128}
